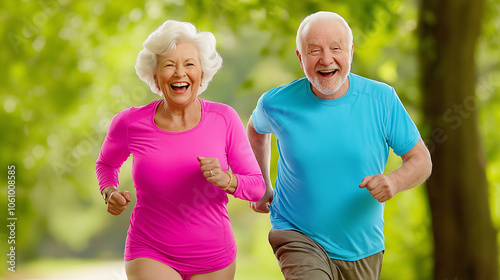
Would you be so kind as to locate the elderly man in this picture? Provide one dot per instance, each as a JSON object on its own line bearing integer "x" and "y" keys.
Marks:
{"x": 334, "y": 130}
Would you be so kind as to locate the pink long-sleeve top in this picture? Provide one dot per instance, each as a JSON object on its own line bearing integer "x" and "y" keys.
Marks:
{"x": 179, "y": 218}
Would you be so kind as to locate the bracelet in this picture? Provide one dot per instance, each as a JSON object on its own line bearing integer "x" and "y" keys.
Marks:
{"x": 230, "y": 181}
{"x": 109, "y": 197}
{"x": 106, "y": 195}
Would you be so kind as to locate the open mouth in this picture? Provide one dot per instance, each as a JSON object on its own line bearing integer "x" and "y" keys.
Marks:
{"x": 327, "y": 73}
{"x": 179, "y": 87}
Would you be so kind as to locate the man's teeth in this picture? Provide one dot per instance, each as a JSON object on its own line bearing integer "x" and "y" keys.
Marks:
{"x": 327, "y": 71}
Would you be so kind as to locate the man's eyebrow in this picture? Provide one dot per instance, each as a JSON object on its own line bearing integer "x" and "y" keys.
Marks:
{"x": 313, "y": 43}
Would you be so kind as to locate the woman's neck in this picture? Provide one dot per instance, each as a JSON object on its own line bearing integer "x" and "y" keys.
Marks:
{"x": 178, "y": 118}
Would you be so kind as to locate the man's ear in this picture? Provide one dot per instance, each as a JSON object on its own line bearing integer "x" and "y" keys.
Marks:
{"x": 352, "y": 53}
{"x": 300, "y": 58}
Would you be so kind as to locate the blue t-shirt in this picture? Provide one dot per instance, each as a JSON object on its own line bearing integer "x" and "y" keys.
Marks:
{"x": 326, "y": 147}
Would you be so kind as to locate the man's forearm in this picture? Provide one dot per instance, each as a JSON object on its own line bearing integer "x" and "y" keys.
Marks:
{"x": 416, "y": 168}
{"x": 261, "y": 146}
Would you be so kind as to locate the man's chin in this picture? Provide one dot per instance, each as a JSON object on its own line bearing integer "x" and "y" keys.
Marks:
{"x": 328, "y": 90}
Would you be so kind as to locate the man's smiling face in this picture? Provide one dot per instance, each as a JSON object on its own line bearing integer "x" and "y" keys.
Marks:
{"x": 326, "y": 57}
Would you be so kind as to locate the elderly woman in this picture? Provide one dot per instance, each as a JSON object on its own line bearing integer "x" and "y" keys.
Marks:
{"x": 183, "y": 147}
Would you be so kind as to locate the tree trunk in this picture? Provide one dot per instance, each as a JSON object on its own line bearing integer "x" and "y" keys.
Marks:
{"x": 464, "y": 238}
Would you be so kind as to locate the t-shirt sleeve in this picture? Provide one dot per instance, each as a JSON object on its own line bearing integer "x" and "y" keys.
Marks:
{"x": 402, "y": 133}
{"x": 114, "y": 151}
{"x": 261, "y": 121}
{"x": 241, "y": 159}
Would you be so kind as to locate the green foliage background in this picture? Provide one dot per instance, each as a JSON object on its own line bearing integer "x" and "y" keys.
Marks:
{"x": 68, "y": 66}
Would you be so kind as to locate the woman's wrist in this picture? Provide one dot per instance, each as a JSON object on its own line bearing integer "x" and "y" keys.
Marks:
{"x": 106, "y": 192}
{"x": 232, "y": 184}
{"x": 108, "y": 189}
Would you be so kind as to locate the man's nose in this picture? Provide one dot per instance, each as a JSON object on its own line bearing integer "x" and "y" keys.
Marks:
{"x": 327, "y": 58}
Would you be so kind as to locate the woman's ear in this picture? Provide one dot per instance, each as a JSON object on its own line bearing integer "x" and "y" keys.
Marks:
{"x": 156, "y": 81}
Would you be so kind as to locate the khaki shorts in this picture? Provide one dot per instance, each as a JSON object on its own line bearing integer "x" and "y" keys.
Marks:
{"x": 301, "y": 258}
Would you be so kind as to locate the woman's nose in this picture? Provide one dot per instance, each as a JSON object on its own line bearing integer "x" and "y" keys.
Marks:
{"x": 180, "y": 71}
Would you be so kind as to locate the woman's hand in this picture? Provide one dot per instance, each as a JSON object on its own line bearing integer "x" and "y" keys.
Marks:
{"x": 212, "y": 171}
{"x": 117, "y": 200}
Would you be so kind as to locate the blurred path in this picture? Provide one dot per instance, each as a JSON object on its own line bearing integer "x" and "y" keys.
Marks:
{"x": 95, "y": 271}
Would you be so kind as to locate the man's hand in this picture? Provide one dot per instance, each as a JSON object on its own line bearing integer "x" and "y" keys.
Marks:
{"x": 118, "y": 201}
{"x": 380, "y": 187}
{"x": 416, "y": 168}
{"x": 263, "y": 205}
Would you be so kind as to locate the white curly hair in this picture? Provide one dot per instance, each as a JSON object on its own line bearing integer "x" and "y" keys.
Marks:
{"x": 164, "y": 40}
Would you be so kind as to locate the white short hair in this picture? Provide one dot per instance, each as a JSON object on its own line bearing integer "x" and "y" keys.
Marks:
{"x": 164, "y": 40}
{"x": 321, "y": 16}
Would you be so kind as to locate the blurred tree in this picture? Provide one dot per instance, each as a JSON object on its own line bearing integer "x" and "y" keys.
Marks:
{"x": 464, "y": 237}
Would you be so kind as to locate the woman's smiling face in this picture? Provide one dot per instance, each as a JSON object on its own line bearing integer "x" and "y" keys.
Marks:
{"x": 178, "y": 74}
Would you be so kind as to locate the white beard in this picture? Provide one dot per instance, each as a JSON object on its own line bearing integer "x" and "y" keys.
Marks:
{"x": 327, "y": 88}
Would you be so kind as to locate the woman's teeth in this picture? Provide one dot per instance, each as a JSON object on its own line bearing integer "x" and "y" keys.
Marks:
{"x": 179, "y": 85}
